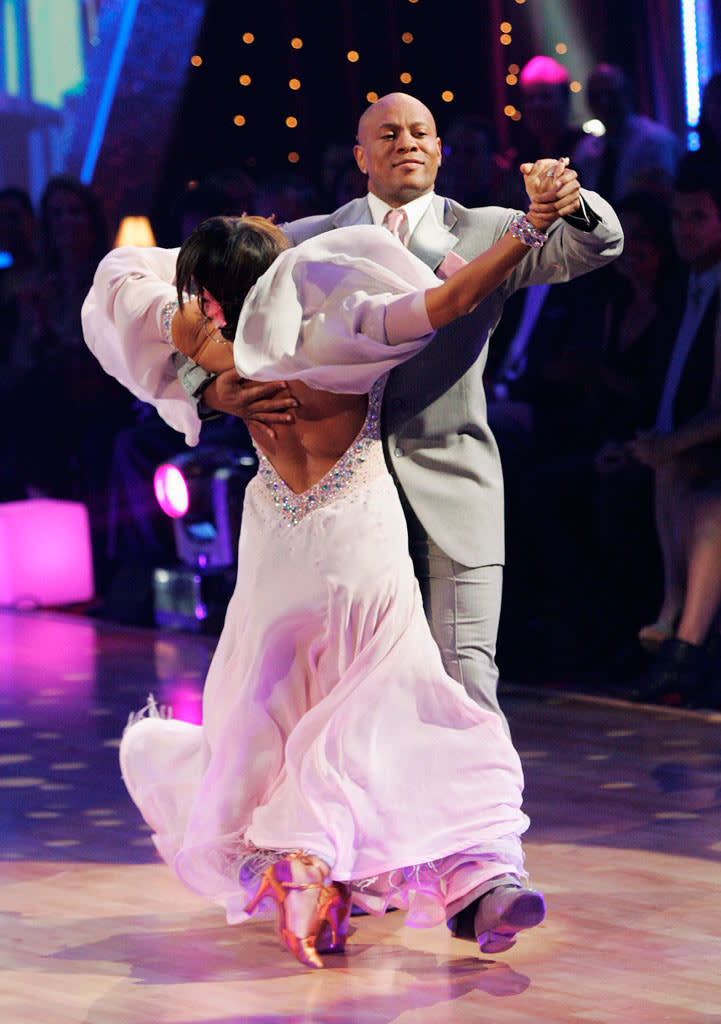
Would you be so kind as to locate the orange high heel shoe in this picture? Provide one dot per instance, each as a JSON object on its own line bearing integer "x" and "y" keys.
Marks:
{"x": 326, "y": 910}
{"x": 334, "y": 930}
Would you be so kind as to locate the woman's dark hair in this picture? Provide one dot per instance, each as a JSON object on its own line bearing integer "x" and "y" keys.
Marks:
{"x": 226, "y": 256}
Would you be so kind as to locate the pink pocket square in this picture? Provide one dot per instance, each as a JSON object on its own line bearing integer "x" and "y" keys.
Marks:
{"x": 450, "y": 265}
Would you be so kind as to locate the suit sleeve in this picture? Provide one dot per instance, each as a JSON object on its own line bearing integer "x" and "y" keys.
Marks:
{"x": 571, "y": 251}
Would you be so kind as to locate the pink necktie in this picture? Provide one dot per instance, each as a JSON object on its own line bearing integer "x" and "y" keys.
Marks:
{"x": 393, "y": 221}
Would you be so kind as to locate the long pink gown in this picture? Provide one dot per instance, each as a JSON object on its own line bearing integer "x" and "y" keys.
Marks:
{"x": 329, "y": 723}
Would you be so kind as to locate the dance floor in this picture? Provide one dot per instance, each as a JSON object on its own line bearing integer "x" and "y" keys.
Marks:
{"x": 625, "y": 842}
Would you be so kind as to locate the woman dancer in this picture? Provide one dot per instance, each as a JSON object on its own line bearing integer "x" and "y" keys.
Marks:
{"x": 336, "y": 758}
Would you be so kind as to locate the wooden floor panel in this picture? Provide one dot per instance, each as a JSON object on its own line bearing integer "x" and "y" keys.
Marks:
{"x": 625, "y": 842}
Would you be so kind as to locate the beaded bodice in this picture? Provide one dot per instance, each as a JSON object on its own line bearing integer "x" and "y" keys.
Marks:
{"x": 360, "y": 462}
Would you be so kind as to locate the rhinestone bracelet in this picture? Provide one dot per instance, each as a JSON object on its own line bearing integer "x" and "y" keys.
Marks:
{"x": 522, "y": 229}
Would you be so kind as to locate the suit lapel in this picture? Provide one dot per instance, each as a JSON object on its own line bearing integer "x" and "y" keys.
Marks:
{"x": 433, "y": 238}
{"x": 356, "y": 211}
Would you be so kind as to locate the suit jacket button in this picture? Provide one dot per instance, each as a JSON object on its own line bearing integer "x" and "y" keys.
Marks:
{"x": 398, "y": 452}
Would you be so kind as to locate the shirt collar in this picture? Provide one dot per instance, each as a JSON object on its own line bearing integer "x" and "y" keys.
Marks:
{"x": 414, "y": 210}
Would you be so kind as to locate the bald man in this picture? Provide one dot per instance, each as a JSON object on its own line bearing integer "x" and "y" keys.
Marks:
{"x": 438, "y": 445}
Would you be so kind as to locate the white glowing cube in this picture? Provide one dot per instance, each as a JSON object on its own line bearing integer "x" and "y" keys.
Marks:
{"x": 45, "y": 553}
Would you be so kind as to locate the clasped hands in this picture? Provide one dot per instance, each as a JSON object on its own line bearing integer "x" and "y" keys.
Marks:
{"x": 553, "y": 189}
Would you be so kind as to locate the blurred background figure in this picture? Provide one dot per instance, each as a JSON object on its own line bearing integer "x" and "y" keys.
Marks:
{"x": 545, "y": 105}
{"x": 684, "y": 452}
{"x": 70, "y": 409}
{"x": 468, "y": 171}
{"x": 709, "y": 123}
{"x": 286, "y": 197}
{"x": 634, "y": 153}
{"x": 545, "y": 127}
{"x": 19, "y": 244}
{"x": 563, "y": 406}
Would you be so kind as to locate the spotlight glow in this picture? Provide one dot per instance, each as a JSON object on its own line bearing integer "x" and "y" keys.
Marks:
{"x": 171, "y": 490}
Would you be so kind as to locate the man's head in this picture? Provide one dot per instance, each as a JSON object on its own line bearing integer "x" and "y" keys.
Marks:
{"x": 545, "y": 98}
{"x": 398, "y": 148}
{"x": 696, "y": 213}
{"x": 225, "y": 256}
{"x": 609, "y": 96}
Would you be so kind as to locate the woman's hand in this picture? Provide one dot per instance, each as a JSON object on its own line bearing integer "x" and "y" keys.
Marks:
{"x": 553, "y": 189}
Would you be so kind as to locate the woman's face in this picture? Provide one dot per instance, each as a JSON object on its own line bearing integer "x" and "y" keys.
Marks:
{"x": 69, "y": 222}
{"x": 211, "y": 309}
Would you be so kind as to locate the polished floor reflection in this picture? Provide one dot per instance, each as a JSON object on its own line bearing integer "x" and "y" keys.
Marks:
{"x": 625, "y": 842}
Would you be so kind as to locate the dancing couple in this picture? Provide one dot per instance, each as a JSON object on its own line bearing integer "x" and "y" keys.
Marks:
{"x": 337, "y": 760}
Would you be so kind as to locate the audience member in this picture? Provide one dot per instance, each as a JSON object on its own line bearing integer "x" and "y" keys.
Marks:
{"x": 684, "y": 451}
{"x": 635, "y": 152}
{"x": 468, "y": 170}
{"x": 544, "y": 103}
{"x": 579, "y": 375}
{"x": 709, "y": 122}
{"x": 65, "y": 445}
{"x": 19, "y": 240}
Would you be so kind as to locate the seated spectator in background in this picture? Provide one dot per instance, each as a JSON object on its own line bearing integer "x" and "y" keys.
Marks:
{"x": 634, "y": 153}
{"x": 19, "y": 241}
{"x": 468, "y": 172}
{"x": 593, "y": 366}
{"x": 709, "y": 122}
{"x": 684, "y": 451}
{"x": 544, "y": 102}
{"x": 65, "y": 445}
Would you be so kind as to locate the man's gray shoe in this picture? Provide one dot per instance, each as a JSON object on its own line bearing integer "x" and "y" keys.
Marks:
{"x": 503, "y": 912}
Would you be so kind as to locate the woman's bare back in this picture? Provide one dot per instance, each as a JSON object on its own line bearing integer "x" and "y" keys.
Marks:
{"x": 325, "y": 425}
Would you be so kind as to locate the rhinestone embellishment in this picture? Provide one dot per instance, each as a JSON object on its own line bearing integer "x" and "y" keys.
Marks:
{"x": 359, "y": 457}
{"x": 168, "y": 312}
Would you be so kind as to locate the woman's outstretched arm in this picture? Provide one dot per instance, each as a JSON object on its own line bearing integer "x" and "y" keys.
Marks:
{"x": 468, "y": 286}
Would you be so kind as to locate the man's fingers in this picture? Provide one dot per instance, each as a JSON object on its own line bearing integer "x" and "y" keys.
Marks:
{"x": 260, "y": 416}
{"x": 263, "y": 434}
{"x": 261, "y": 405}
{"x": 264, "y": 390}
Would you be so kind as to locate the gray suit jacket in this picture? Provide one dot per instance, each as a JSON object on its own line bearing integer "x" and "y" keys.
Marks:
{"x": 437, "y": 440}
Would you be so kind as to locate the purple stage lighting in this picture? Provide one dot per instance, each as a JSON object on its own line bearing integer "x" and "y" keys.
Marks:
{"x": 171, "y": 490}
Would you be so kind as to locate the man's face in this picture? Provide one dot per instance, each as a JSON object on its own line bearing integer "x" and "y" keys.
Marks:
{"x": 696, "y": 226}
{"x": 544, "y": 107}
{"x": 398, "y": 149}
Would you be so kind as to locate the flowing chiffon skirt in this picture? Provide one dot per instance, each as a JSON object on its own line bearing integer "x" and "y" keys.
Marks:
{"x": 329, "y": 723}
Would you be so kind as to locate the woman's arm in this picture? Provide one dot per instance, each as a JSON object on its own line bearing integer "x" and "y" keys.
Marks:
{"x": 462, "y": 292}
{"x": 197, "y": 338}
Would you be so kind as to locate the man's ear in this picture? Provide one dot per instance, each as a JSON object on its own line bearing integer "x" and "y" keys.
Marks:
{"x": 440, "y": 151}
{"x": 360, "y": 158}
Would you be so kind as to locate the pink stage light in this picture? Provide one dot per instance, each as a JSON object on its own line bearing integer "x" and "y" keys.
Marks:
{"x": 45, "y": 553}
{"x": 171, "y": 490}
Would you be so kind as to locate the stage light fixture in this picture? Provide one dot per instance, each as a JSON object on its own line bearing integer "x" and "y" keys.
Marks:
{"x": 202, "y": 491}
{"x": 203, "y": 494}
